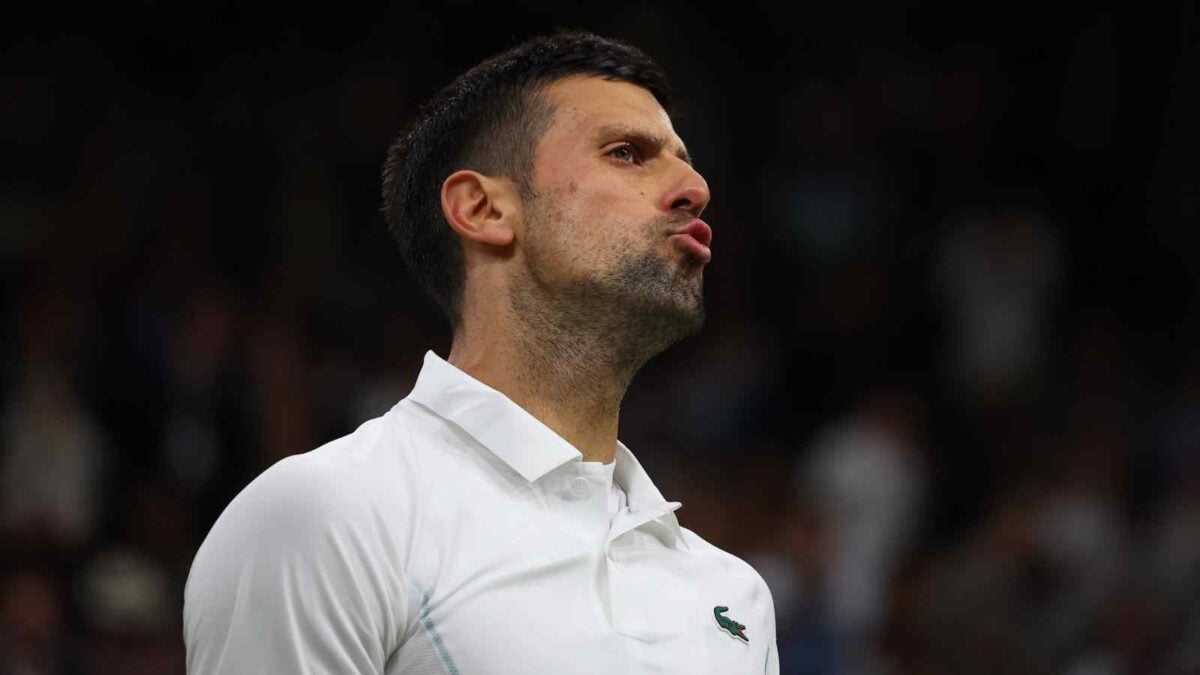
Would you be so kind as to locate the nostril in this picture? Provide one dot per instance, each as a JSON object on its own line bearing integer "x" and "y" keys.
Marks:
{"x": 682, "y": 203}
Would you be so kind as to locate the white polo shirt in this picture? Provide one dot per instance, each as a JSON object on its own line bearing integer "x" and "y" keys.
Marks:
{"x": 458, "y": 534}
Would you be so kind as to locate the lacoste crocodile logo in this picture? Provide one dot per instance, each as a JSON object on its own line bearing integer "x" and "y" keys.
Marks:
{"x": 734, "y": 628}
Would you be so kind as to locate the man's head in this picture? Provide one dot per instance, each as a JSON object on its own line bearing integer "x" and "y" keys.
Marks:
{"x": 555, "y": 166}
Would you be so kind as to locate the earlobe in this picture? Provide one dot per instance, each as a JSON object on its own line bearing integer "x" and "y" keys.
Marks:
{"x": 479, "y": 208}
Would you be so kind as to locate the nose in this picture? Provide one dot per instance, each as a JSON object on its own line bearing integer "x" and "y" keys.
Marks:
{"x": 688, "y": 190}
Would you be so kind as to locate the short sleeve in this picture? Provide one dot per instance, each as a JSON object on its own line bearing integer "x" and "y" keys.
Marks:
{"x": 298, "y": 575}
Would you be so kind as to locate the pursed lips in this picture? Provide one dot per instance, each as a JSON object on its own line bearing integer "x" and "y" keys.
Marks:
{"x": 696, "y": 237}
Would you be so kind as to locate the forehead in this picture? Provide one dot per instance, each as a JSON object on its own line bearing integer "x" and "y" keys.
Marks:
{"x": 583, "y": 104}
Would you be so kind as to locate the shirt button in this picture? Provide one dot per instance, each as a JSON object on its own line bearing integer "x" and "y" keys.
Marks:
{"x": 580, "y": 487}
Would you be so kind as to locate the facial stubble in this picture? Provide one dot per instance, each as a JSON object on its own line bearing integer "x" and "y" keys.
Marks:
{"x": 644, "y": 300}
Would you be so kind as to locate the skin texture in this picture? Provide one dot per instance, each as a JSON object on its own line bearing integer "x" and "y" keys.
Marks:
{"x": 574, "y": 281}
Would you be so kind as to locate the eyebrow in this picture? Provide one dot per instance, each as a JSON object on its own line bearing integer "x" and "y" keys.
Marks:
{"x": 642, "y": 137}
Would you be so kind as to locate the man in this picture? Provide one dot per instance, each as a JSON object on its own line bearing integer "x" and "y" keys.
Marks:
{"x": 491, "y": 522}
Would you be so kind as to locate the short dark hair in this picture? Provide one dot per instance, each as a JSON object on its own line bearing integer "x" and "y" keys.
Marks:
{"x": 489, "y": 119}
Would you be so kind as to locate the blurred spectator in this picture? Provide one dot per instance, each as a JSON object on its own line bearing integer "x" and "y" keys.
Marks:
{"x": 972, "y": 610}
{"x": 130, "y": 590}
{"x": 52, "y": 460}
{"x": 132, "y": 611}
{"x": 1081, "y": 534}
{"x": 866, "y": 478}
{"x": 52, "y": 467}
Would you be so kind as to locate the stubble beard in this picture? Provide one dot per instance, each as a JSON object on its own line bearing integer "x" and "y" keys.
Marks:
{"x": 657, "y": 301}
{"x": 617, "y": 319}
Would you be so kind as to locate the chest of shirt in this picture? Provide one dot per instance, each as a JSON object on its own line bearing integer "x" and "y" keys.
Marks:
{"x": 550, "y": 585}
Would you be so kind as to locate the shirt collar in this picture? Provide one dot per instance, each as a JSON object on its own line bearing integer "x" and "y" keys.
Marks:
{"x": 521, "y": 440}
{"x": 645, "y": 501}
{"x": 640, "y": 491}
{"x": 493, "y": 419}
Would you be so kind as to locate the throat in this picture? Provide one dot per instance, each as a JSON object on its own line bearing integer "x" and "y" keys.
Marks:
{"x": 574, "y": 385}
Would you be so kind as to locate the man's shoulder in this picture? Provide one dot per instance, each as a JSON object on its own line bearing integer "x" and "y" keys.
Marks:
{"x": 364, "y": 486}
{"x": 733, "y": 565}
{"x": 312, "y": 535}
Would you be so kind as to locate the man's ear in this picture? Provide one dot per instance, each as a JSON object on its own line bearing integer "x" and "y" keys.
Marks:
{"x": 480, "y": 208}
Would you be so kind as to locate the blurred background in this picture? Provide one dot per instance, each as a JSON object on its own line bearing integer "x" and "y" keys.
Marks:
{"x": 947, "y": 401}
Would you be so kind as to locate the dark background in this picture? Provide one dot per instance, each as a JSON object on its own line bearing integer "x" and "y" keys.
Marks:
{"x": 947, "y": 400}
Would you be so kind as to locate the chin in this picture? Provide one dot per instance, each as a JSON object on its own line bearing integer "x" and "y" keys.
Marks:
{"x": 682, "y": 316}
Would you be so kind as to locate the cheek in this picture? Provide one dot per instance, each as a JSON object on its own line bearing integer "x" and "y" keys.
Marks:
{"x": 586, "y": 224}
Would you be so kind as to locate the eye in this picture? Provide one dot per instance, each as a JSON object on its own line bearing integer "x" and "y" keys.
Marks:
{"x": 626, "y": 153}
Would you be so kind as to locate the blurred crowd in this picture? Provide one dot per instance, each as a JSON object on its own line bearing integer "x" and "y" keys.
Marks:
{"x": 913, "y": 409}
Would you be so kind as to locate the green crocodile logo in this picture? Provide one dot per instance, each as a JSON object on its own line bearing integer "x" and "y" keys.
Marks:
{"x": 735, "y": 629}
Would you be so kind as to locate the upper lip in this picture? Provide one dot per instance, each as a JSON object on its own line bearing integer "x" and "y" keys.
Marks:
{"x": 698, "y": 230}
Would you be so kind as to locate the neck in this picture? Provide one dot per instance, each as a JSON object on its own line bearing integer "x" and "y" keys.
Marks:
{"x": 570, "y": 373}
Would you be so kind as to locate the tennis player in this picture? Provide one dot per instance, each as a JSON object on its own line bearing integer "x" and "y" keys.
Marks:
{"x": 491, "y": 522}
